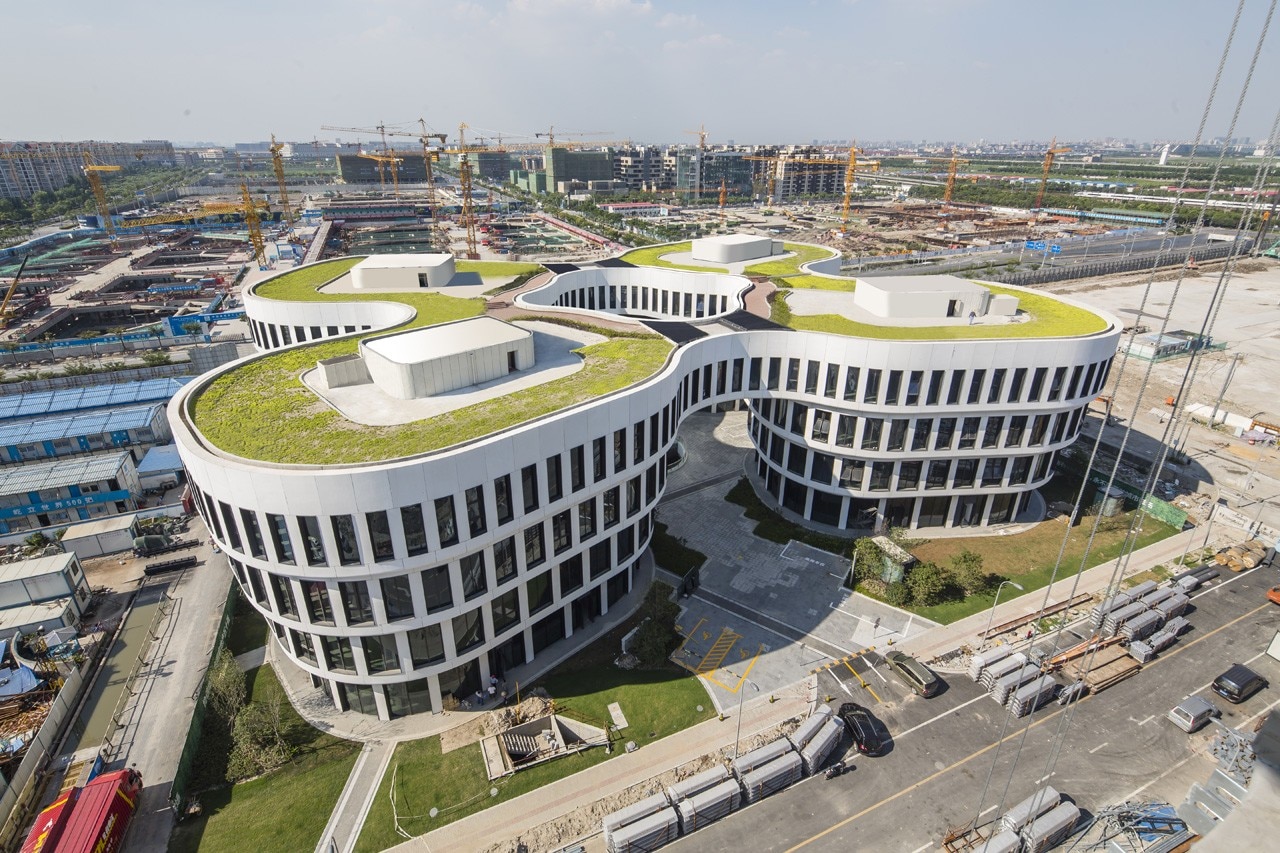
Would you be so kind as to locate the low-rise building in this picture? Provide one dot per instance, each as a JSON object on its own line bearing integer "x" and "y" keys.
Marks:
{"x": 47, "y": 494}
{"x": 49, "y": 592}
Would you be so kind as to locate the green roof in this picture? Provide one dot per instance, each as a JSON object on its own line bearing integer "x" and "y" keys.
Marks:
{"x": 261, "y": 410}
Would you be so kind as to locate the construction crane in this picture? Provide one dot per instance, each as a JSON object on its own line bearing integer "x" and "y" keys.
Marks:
{"x": 278, "y": 163}
{"x": 464, "y": 179}
{"x": 850, "y": 178}
{"x": 207, "y": 209}
{"x": 254, "y": 224}
{"x": 551, "y": 137}
{"x": 953, "y": 164}
{"x": 429, "y": 155}
{"x": 4, "y": 307}
{"x": 91, "y": 171}
{"x": 701, "y": 133}
{"x": 382, "y": 160}
{"x": 1053, "y": 151}
{"x": 775, "y": 159}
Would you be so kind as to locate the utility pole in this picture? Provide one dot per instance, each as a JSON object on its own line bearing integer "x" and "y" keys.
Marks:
{"x": 1235, "y": 359}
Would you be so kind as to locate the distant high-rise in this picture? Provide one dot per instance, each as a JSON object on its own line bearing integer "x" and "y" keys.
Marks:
{"x": 30, "y": 167}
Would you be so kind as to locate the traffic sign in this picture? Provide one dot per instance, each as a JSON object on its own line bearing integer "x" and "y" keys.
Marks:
{"x": 1055, "y": 248}
{"x": 1031, "y": 244}
{"x": 1038, "y": 244}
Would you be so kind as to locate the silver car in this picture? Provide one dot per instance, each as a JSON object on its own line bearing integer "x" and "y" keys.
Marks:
{"x": 1192, "y": 713}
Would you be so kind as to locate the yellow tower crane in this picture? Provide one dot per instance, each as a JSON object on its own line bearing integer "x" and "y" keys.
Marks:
{"x": 850, "y": 178}
{"x": 254, "y": 224}
{"x": 464, "y": 179}
{"x": 429, "y": 155}
{"x": 278, "y": 163}
{"x": 92, "y": 172}
{"x": 8, "y": 295}
{"x": 701, "y": 133}
{"x": 1053, "y": 151}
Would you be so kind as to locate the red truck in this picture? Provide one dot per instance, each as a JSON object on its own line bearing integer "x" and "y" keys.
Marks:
{"x": 92, "y": 819}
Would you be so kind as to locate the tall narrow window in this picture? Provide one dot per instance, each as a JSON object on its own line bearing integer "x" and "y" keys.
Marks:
{"x": 529, "y": 487}
{"x": 415, "y": 530}
{"x": 914, "y": 381}
{"x": 318, "y": 605}
{"x": 476, "y": 521}
{"x": 587, "y": 519}
{"x": 975, "y": 386}
{"x": 396, "y": 597}
{"x": 1015, "y": 387}
{"x": 893, "y": 388}
{"x": 282, "y": 590}
{"x": 535, "y": 551}
{"x": 446, "y": 523}
{"x": 871, "y": 393}
{"x": 502, "y": 499}
{"x": 577, "y": 472}
{"x": 436, "y": 589}
{"x": 380, "y": 536}
{"x": 504, "y": 560}
{"x": 555, "y": 479}
{"x": 280, "y": 538}
{"x": 851, "y": 384}
{"x": 619, "y": 450}
{"x": 811, "y": 377}
{"x": 597, "y": 460}
{"x": 957, "y": 383}
{"x": 253, "y": 533}
{"x": 997, "y": 384}
{"x": 344, "y": 532}
{"x": 356, "y": 602}
{"x": 474, "y": 582}
{"x": 935, "y": 387}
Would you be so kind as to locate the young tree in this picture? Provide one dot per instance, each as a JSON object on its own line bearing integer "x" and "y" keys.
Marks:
{"x": 928, "y": 583}
{"x": 968, "y": 572}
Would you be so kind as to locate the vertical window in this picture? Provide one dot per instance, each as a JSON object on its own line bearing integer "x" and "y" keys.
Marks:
{"x": 1055, "y": 386}
{"x": 851, "y": 471}
{"x": 426, "y": 646}
{"x": 570, "y": 575}
{"x": 920, "y": 437}
{"x": 506, "y": 610}
{"x": 356, "y": 602}
{"x": 555, "y": 479}
{"x": 502, "y": 499}
{"x": 637, "y": 442}
{"x": 735, "y": 384}
{"x": 1017, "y": 426}
{"x": 1037, "y": 384}
{"x": 833, "y": 381}
{"x": 233, "y": 534}
{"x": 821, "y": 425}
{"x": 997, "y": 383}
{"x": 881, "y": 474}
{"x": 851, "y": 384}
{"x": 957, "y": 383}
{"x": 1020, "y": 470}
{"x": 337, "y": 654}
{"x": 871, "y": 393}
{"x": 577, "y": 471}
{"x": 380, "y": 536}
{"x": 415, "y": 530}
{"x": 561, "y": 532}
{"x": 587, "y": 519}
{"x": 991, "y": 435}
{"x": 898, "y": 433}
{"x": 968, "y": 433}
{"x": 303, "y": 647}
{"x": 396, "y": 597}
{"x": 914, "y": 381}
{"x": 1038, "y": 429}
{"x": 529, "y": 487}
{"x": 845, "y": 429}
{"x": 344, "y": 531}
{"x": 753, "y": 378}
{"x": 975, "y": 386}
{"x": 468, "y": 630}
{"x": 1075, "y": 381}
{"x": 966, "y": 470}
{"x": 935, "y": 387}
{"x": 793, "y": 374}
{"x": 811, "y": 377}
{"x": 539, "y": 592}
{"x": 993, "y": 471}
{"x": 253, "y": 533}
{"x": 446, "y": 522}
{"x": 946, "y": 429}
{"x": 611, "y": 507}
{"x": 1015, "y": 387}
{"x": 909, "y": 475}
{"x": 871, "y": 429}
{"x": 601, "y": 558}
{"x": 380, "y": 653}
{"x": 619, "y": 450}
{"x": 504, "y": 560}
{"x": 597, "y": 459}
{"x": 476, "y": 521}
{"x": 534, "y": 547}
{"x": 939, "y": 471}
{"x": 799, "y": 414}
{"x": 474, "y": 581}
{"x": 318, "y": 605}
{"x": 282, "y": 591}
{"x": 436, "y": 589}
{"x": 280, "y": 538}
{"x": 893, "y": 388}
{"x": 775, "y": 373}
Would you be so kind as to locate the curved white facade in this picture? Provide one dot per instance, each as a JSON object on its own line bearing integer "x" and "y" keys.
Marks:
{"x": 395, "y": 583}
{"x": 641, "y": 292}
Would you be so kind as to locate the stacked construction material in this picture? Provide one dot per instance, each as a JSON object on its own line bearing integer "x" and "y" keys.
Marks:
{"x": 816, "y": 750}
{"x": 744, "y": 764}
{"x": 823, "y": 711}
{"x": 1142, "y": 625}
{"x": 998, "y": 669}
{"x": 769, "y": 778}
{"x": 1112, "y": 621}
{"x": 1173, "y": 606}
{"x": 1156, "y": 596}
{"x": 1031, "y": 696}
{"x": 1141, "y": 652}
{"x": 1001, "y": 689}
{"x": 980, "y": 662}
{"x": 806, "y": 730}
{"x": 1101, "y": 669}
{"x": 707, "y": 797}
{"x": 646, "y": 825}
{"x": 1002, "y": 842}
{"x": 1049, "y": 830}
{"x": 1024, "y": 813}
{"x": 1121, "y": 599}
{"x": 1237, "y": 558}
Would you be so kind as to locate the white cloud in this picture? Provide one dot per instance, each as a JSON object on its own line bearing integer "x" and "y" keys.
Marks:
{"x": 672, "y": 21}
{"x": 710, "y": 40}
{"x": 598, "y": 7}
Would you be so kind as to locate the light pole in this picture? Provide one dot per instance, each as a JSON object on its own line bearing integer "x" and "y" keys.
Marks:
{"x": 999, "y": 589}
{"x": 742, "y": 692}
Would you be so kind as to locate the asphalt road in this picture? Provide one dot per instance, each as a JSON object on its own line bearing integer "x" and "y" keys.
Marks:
{"x": 934, "y": 774}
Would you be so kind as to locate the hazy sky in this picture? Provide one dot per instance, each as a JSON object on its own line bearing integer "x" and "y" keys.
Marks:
{"x": 751, "y": 71}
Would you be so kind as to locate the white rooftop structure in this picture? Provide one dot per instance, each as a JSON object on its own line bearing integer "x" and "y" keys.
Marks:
{"x": 403, "y": 272}
{"x": 35, "y": 567}
{"x": 929, "y": 296}
{"x": 437, "y": 359}
{"x": 732, "y": 248}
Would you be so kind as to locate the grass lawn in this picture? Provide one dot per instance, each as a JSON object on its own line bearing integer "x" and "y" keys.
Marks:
{"x": 803, "y": 254}
{"x": 262, "y": 411}
{"x": 815, "y": 282}
{"x": 284, "y": 810}
{"x": 672, "y": 553}
{"x": 656, "y": 703}
{"x": 248, "y": 630}
{"x": 1028, "y": 557}
{"x": 1050, "y": 318}
{"x": 651, "y": 256}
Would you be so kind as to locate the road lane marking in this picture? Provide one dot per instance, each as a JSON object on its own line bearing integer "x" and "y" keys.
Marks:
{"x": 940, "y": 716}
{"x": 1042, "y": 778}
{"x": 924, "y": 848}
{"x": 1098, "y": 747}
{"x": 925, "y": 781}
{"x": 865, "y": 686}
{"x": 987, "y": 810}
{"x": 1147, "y": 720}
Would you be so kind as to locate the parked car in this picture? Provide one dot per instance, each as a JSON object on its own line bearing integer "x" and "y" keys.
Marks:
{"x": 1238, "y": 683}
{"x": 918, "y": 677}
{"x": 1192, "y": 713}
{"x": 862, "y": 726}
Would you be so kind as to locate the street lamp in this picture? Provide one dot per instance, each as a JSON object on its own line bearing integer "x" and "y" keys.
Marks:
{"x": 999, "y": 589}
{"x": 742, "y": 692}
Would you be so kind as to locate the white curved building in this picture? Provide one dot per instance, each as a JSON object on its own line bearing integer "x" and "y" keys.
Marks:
{"x": 410, "y": 557}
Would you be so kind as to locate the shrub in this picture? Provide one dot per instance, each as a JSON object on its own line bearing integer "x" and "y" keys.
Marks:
{"x": 898, "y": 594}
{"x": 258, "y": 740}
{"x": 967, "y": 571}
{"x": 929, "y": 583}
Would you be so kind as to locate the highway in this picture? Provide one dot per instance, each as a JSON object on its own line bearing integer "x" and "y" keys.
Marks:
{"x": 1116, "y": 744}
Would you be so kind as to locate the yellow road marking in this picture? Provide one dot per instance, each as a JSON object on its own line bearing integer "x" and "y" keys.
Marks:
{"x": 865, "y": 686}
{"x": 990, "y": 747}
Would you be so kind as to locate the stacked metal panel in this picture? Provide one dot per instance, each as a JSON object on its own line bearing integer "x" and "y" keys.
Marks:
{"x": 1141, "y": 652}
{"x": 642, "y": 826}
{"x": 1024, "y": 813}
{"x": 1121, "y": 599}
{"x": 708, "y": 806}
{"x": 1001, "y": 689}
{"x": 980, "y": 662}
{"x": 1177, "y": 625}
{"x": 769, "y": 778}
{"x": 697, "y": 784}
{"x": 824, "y": 711}
{"x": 1049, "y": 830}
{"x": 1142, "y": 626}
{"x": 1031, "y": 696}
{"x": 1172, "y": 606}
{"x": 1112, "y": 621}
{"x": 1188, "y": 583}
{"x": 1141, "y": 590}
{"x": 744, "y": 764}
{"x": 999, "y": 669}
{"x": 1002, "y": 842}
{"x": 1158, "y": 595}
{"x": 820, "y": 746}
{"x": 805, "y": 732}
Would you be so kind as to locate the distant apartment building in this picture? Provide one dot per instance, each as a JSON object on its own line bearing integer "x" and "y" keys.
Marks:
{"x": 30, "y": 167}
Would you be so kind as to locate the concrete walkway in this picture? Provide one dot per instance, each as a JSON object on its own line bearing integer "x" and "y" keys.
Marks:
{"x": 347, "y": 819}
